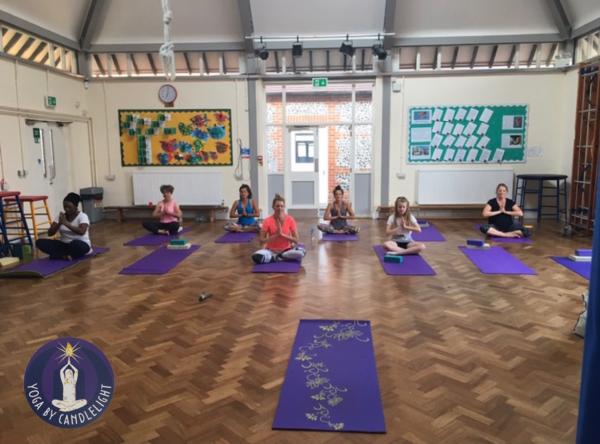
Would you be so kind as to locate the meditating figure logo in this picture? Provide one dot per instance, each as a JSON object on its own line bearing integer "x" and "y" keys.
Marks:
{"x": 69, "y": 382}
{"x": 68, "y": 377}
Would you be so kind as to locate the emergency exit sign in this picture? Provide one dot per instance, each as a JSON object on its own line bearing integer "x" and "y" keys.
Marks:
{"x": 320, "y": 82}
{"x": 50, "y": 101}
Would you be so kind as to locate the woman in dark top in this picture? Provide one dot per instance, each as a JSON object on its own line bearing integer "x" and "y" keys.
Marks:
{"x": 500, "y": 212}
{"x": 337, "y": 213}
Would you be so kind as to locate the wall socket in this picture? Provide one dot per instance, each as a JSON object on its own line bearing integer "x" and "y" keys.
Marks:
{"x": 110, "y": 177}
{"x": 401, "y": 175}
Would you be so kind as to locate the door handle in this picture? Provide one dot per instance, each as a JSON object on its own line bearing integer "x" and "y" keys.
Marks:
{"x": 53, "y": 164}
{"x": 44, "y": 164}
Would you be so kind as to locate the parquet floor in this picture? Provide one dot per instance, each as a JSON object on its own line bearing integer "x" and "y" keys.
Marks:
{"x": 462, "y": 357}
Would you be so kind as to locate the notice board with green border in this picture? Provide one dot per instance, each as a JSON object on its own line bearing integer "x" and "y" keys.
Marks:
{"x": 467, "y": 134}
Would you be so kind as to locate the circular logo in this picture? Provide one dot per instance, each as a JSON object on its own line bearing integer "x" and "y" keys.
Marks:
{"x": 69, "y": 382}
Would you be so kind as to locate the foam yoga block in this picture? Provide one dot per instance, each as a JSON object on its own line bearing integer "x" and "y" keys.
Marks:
{"x": 393, "y": 258}
{"x": 577, "y": 258}
{"x": 583, "y": 252}
{"x": 477, "y": 243}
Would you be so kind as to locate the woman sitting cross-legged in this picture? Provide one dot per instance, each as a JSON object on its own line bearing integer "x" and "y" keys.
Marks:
{"x": 246, "y": 211}
{"x": 400, "y": 227}
{"x": 72, "y": 225}
{"x": 337, "y": 213}
{"x": 500, "y": 212}
{"x": 280, "y": 237}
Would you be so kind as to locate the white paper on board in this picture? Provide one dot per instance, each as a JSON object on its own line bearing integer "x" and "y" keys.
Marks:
{"x": 437, "y": 114}
{"x": 472, "y": 114}
{"x": 449, "y": 155}
{"x": 449, "y": 140}
{"x": 437, "y": 154}
{"x": 469, "y": 129}
{"x": 485, "y": 156}
{"x": 449, "y": 114}
{"x": 460, "y": 114}
{"x": 437, "y": 126}
{"x": 447, "y": 128}
{"x": 498, "y": 155}
{"x": 458, "y": 129}
{"x": 460, "y": 155}
{"x": 482, "y": 128}
{"x": 483, "y": 142}
{"x": 485, "y": 115}
{"x": 419, "y": 135}
{"x": 472, "y": 156}
{"x": 460, "y": 142}
{"x": 437, "y": 140}
{"x": 471, "y": 141}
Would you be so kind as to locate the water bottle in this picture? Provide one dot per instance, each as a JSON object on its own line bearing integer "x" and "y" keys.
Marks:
{"x": 204, "y": 296}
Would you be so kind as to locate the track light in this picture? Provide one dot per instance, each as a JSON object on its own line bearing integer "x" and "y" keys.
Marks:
{"x": 347, "y": 48}
{"x": 379, "y": 51}
{"x": 262, "y": 52}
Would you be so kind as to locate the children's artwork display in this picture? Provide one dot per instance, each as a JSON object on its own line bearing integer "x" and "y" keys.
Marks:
{"x": 176, "y": 137}
{"x": 467, "y": 134}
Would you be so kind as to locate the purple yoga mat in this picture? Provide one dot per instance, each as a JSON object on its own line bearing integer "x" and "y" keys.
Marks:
{"x": 151, "y": 240}
{"x": 278, "y": 267}
{"x": 429, "y": 234}
{"x": 496, "y": 260}
{"x": 331, "y": 381}
{"x": 43, "y": 268}
{"x": 339, "y": 237}
{"x": 236, "y": 238}
{"x": 413, "y": 265}
{"x": 160, "y": 261}
{"x": 583, "y": 269}
{"x": 507, "y": 240}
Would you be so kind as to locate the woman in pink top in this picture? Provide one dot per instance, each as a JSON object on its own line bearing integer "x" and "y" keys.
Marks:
{"x": 280, "y": 237}
{"x": 169, "y": 213}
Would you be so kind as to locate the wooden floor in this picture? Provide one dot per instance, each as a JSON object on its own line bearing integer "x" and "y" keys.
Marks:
{"x": 462, "y": 357}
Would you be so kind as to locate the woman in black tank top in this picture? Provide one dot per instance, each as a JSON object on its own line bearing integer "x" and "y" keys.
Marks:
{"x": 500, "y": 212}
{"x": 337, "y": 213}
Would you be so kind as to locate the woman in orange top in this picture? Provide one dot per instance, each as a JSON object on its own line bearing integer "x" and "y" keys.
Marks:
{"x": 169, "y": 213}
{"x": 280, "y": 236}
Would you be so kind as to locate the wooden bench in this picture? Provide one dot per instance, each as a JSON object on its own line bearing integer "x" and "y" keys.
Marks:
{"x": 210, "y": 209}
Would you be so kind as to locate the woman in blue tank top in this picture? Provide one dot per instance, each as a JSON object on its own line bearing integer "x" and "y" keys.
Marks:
{"x": 246, "y": 212}
{"x": 337, "y": 213}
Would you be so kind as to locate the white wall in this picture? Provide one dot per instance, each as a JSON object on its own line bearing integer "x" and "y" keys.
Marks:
{"x": 551, "y": 101}
{"x": 22, "y": 91}
{"x": 107, "y": 97}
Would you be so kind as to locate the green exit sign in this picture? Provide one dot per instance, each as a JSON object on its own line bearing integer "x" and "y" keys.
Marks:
{"x": 50, "y": 101}
{"x": 320, "y": 82}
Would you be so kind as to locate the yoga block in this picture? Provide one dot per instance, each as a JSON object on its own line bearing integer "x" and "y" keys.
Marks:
{"x": 393, "y": 258}
{"x": 583, "y": 252}
{"x": 178, "y": 242}
{"x": 475, "y": 243}
{"x": 8, "y": 261}
{"x": 179, "y": 247}
{"x": 576, "y": 258}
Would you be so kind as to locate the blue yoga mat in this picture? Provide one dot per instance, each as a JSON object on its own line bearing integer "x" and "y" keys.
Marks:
{"x": 160, "y": 261}
{"x": 331, "y": 381}
{"x": 583, "y": 269}
{"x": 412, "y": 265}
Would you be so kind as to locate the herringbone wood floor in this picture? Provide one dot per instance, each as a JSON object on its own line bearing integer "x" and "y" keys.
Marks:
{"x": 462, "y": 357}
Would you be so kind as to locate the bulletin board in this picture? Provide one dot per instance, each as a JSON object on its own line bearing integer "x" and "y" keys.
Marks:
{"x": 176, "y": 137}
{"x": 467, "y": 134}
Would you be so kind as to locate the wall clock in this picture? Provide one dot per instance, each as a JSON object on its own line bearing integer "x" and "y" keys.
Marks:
{"x": 167, "y": 95}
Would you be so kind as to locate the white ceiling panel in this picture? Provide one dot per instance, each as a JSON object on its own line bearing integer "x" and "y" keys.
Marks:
{"x": 582, "y": 12}
{"x": 64, "y": 17}
{"x": 140, "y": 21}
{"x": 317, "y": 17}
{"x": 441, "y": 18}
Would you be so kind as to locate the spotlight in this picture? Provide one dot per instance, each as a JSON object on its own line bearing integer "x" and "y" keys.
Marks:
{"x": 379, "y": 51}
{"x": 262, "y": 53}
{"x": 297, "y": 50}
{"x": 347, "y": 48}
